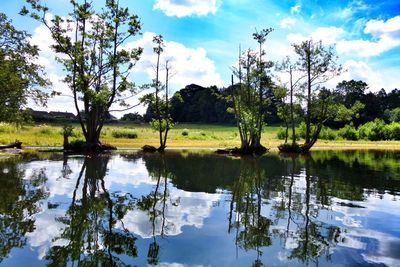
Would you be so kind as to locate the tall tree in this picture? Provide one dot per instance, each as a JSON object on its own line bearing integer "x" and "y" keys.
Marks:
{"x": 90, "y": 45}
{"x": 318, "y": 63}
{"x": 158, "y": 105}
{"x": 20, "y": 78}
{"x": 249, "y": 97}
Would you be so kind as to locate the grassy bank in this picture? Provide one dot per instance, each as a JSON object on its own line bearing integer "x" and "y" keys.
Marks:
{"x": 182, "y": 136}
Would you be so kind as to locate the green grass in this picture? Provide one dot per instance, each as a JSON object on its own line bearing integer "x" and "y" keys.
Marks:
{"x": 199, "y": 136}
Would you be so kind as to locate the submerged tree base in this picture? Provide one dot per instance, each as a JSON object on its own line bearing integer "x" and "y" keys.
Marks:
{"x": 149, "y": 149}
{"x": 293, "y": 148}
{"x": 243, "y": 151}
{"x": 85, "y": 147}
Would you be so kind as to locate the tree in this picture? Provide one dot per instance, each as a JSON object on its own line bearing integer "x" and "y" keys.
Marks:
{"x": 20, "y": 78}
{"x": 287, "y": 112}
{"x": 249, "y": 96}
{"x": 160, "y": 118}
{"x": 90, "y": 48}
{"x": 318, "y": 63}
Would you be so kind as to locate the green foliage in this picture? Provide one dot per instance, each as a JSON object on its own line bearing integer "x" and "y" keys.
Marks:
{"x": 349, "y": 133}
{"x": 124, "y": 134}
{"x": 393, "y": 115}
{"x": 393, "y": 130}
{"x": 377, "y": 130}
{"x": 281, "y": 134}
{"x": 94, "y": 58}
{"x": 67, "y": 130}
{"x": 185, "y": 132}
{"x": 20, "y": 78}
{"x": 155, "y": 124}
{"x": 328, "y": 134}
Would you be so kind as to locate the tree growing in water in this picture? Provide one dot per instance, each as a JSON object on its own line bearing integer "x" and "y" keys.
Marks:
{"x": 249, "y": 96}
{"x": 90, "y": 45}
{"x": 318, "y": 64}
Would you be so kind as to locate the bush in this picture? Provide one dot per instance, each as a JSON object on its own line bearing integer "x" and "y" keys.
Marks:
{"x": 327, "y": 134}
{"x": 281, "y": 134}
{"x": 185, "y": 132}
{"x": 348, "y": 132}
{"x": 393, "y": 131}
{"x": 374, "y": 130}
{"x": 124, "y": 134}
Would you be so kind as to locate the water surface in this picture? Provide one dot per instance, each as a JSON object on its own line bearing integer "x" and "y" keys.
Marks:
{"x": 190, "y": 209}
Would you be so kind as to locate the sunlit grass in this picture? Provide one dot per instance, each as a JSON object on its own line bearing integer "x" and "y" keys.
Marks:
{"x": 198, "y": 136}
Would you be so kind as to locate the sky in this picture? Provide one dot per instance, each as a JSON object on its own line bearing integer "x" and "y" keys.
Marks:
{"x": 202, "y": 38}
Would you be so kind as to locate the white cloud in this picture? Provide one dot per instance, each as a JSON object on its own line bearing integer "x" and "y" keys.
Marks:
{"x": 328, "y": 35}
{"x": 386, "y": 36}
{"x": 287, "y": 22}
{"x": 295, "y": 9}
{"x": 380, "y": 28}
{"x": 191, "y": 65}
{"x": 182, "y": 8}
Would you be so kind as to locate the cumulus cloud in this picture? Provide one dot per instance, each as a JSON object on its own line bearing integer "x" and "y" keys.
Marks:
{"x": 190, "y": 65}
{"x": 287, "y": 22}
{"x": 182, "y": 8}
{"x": 386, "y": 36}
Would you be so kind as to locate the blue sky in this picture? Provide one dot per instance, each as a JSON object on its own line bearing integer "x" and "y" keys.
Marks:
{"x": 202, "y": 36}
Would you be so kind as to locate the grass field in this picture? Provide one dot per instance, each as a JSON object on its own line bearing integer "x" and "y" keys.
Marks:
{"x": 182, "y": 136}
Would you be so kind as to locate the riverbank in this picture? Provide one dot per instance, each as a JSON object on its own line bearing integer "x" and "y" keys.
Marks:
{"x": 183, "y": 136}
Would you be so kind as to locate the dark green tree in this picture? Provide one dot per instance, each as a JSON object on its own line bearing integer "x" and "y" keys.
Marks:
{"x": 20, "y": 78}
{"x": 90, "y": 45}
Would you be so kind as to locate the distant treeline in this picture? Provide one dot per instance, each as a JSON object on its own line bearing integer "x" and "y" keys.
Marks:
{"x": 197, "y": 104}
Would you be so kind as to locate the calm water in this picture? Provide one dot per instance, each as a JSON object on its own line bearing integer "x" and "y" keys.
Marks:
{"x": 184, "y": 209}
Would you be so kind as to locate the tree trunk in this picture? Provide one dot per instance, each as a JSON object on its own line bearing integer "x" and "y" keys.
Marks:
{"x": 308, "y": 116}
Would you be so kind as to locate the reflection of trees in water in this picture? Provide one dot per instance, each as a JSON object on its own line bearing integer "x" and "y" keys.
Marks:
{"x": 313, "y": 238}
{"x": 19, "y": 201}
{"x": 251, "y": 227}
{"x": 155, "y": 204}
{"x": 90, "y": 235}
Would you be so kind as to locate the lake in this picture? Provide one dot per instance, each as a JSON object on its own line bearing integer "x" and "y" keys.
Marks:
{"x": 187, "y": 208}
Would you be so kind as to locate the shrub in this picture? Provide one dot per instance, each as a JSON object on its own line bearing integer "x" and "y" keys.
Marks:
{"x": 328, "y": 134}
{"x": 377, "y": 130}
{"x": 281, "y": 134}
{"x": 393, "y": 131}
{"x": 124, "y": 134}
{"x": 348, "y": 132}
{"x": 185, "y": 132}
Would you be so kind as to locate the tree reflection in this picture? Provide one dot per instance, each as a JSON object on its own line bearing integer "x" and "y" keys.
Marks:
{"x": 90, "y": 236}
{"x": 19, "y": 201}
{"x": 155, "y": 204}
{"x": 252, "y": 228}
{"x": 311, "y": 237}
